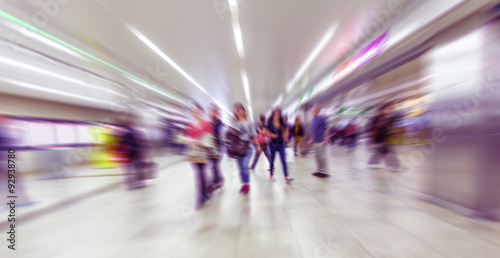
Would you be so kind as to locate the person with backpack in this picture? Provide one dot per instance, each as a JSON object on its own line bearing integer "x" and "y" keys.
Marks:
{"x": 262, "y": 141}
{"x": 298, "y": 134}
{"x": 245, "y": 132}
{"x": 277, "y": 131}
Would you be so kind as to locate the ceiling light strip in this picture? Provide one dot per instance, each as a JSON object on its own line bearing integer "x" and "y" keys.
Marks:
{"x": 317, "y": 50}
{"x": 55, "y": 75}
{"x": 62, "y": 93}
{"x": 43, "y": 33}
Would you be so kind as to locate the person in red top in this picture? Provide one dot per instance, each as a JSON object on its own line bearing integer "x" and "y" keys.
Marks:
{"x": 196, "y": 132}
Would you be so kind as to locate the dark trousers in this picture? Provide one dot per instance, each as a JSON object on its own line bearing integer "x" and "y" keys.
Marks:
{"x": 201, "y": 193}
{"x": 135, "y": 171}
{"x": 384, "y": 152}
{"x": 218, "y": 178}
{"x": 265, "y": 149}
{"x": 352, "y": 139}
{"x": 281, "y": 150}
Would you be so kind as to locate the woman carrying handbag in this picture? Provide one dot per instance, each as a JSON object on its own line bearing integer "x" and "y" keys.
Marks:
{"x": 245, "y": 131}
{"x": 200, "y": 139}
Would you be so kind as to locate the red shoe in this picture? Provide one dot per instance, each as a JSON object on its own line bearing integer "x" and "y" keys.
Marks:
{"x": 245, "y": 188}
{"x": 288, "y": 180}
{"x": 272, "y": 178}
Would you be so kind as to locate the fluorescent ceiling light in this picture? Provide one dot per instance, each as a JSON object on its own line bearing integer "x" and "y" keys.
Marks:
{"x": 151, "y": 45}
{"x": 238, "y": 39}
{"x": 153, "y": 89}
{"x": 43, "y": 40}
{"x": 165, "y": 108}
{"x": 57, "y": 92}
{"x": 319, "y": 47}
{"x": 246, "y": 86}
{"x": 278, "y": 100}
{"x": 43, "y": 33}
{"x": 250, "y": 112}
{"x": 55, "y": 75}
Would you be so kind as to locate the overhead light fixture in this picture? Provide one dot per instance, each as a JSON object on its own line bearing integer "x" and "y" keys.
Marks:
{"x": 92, "y": 57}
{"x": 43, "y": 40}
{"x": 153, "y": 89}
{"x": 238, "y": 37}
{"x": 152, "y": 46}
{"x": 56, "y": 75}
{"x": 175, "y": 111}
{"x": 57, "y": 92}
{"x": 319, "y": 47}
{"x": 246, "y": 86}
{"x": 278, "y": 100}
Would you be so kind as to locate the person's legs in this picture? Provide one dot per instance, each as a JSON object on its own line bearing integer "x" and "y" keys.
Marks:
{"x": 265, "y": 149}
{"x": 246, "y": 161}
{"x": 295, "y": 143}
{"x": 320, "y": 154}
{"x": 317, "y": 155}
{"x": 281, "y": 150}
{"x": 272, "y": 148}
{"x": 255, "y": 160}
{"x": 201, "y": 195}
{"x": 300, "y": 140}
{"x": 322, "y": 159}
{"x": 354, "y": 140}
{"x": 239, "y": 160}
{"x": 243, "y": 166}
{"x": 376, "y": 157}
{"x": 218, "y": 178}
{"x": 391, "y": 158}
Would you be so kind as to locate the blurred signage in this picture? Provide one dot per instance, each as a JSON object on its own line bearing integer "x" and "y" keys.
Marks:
{"x": 364, "y": 56}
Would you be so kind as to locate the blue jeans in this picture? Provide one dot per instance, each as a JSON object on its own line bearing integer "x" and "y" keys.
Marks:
{"x": 243, "y": 166}
{"x": 281, "y": 150}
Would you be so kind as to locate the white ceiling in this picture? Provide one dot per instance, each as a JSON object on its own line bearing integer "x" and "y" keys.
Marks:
{"x": 278, "y": 36}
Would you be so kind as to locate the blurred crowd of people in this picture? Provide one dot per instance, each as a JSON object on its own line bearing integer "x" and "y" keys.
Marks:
{"x": 208, "y": 138}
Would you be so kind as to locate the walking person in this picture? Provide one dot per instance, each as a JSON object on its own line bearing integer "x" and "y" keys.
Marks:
{"x": 201, "y": 138}
{"x": 262, "y": 141}
{"x": 319, "y": 141}
{"x": 298, "y": 134}
{"x": 216, "y": 157}
{"x": 133, "y": 144}
{"x": 246, "y": 132}
{"x": 288, "y": 128}
{"x": 277, "y": 131}
{"x": 351, "y": 135}
{"x": 381, "y": 126}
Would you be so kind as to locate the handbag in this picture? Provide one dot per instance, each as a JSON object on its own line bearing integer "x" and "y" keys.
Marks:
{"x": 262, "y": 139}
{"x": 237, "y": 147}
{"x": 200, "y": 153}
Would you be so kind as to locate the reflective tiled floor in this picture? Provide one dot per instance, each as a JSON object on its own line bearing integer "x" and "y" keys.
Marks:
{"x": 358, "y": 212}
